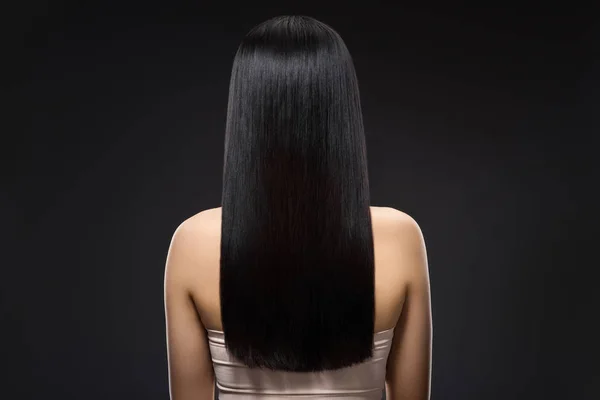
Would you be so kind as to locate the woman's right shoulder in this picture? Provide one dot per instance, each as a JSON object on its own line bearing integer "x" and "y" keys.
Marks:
{"x": 395, "y": 220}
{"x": 401, "y": 236}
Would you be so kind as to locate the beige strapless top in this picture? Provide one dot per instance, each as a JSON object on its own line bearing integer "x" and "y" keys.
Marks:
{"x": 361, "y": 381}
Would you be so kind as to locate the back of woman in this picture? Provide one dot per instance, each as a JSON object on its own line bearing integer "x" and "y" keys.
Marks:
{"x": 296, "y": 285}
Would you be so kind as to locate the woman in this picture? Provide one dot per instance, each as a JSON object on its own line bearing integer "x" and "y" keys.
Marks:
{"x": 296, "y": 285}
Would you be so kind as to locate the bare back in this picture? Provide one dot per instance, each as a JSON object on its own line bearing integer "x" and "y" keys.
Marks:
{"x": 390, "y": 278}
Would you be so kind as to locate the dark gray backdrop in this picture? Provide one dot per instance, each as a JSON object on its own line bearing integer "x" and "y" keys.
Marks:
{"x": 479, "y": 125}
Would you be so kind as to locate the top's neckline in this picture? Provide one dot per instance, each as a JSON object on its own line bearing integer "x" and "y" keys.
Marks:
{"x": 374, "y": 333}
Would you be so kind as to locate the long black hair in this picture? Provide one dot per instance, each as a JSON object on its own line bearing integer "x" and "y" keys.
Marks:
{"x": 297, "y": 261}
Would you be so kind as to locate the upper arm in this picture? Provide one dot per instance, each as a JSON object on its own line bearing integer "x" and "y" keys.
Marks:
{"x": 408, "y": 373}
{"x": 190, "y": 367}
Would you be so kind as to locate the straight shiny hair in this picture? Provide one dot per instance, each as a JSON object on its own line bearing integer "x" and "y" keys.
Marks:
{"x": 297, "y": 260}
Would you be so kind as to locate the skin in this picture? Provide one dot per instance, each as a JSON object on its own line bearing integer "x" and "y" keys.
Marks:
{"x": 402, "y": 298}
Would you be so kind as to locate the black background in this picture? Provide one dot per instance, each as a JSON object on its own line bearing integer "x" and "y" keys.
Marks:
{"x": 479, "y": 124}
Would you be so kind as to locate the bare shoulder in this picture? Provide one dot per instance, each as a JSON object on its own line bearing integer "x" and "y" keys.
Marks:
{"x": 198, "y": 224}
{"x": 190, "y": 242}
{"x": 402, "y": 232}
{"x": 397, "y": 222}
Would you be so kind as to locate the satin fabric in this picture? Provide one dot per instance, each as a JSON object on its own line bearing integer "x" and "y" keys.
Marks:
{"x": 236, "y": 381}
